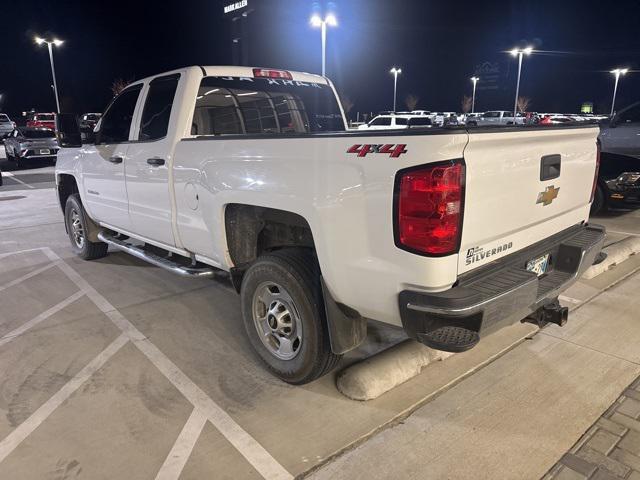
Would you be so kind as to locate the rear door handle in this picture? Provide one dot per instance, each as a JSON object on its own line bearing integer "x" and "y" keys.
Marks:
{"x": 115, "y": 159}
{"x": 156, "y": 162}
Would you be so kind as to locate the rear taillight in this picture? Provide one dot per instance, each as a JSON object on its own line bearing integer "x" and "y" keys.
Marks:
{"x": 267, "y": 73}
{"x": 595, "y": 176}
{"x": 429, "y": 207}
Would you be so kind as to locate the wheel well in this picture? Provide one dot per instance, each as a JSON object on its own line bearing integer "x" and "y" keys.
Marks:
{"x": 66, "y": 186}
{"x": 252, "y": 231}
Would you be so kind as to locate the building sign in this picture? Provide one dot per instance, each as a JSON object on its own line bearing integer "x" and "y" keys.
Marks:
{"x": 235, "y": 6}
{"x": 489, "y": 73}
{"x": 587, "y": 107}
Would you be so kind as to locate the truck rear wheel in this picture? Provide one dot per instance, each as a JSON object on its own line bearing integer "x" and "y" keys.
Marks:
{"x": 284, "y": 316}
{"x": 75, "y": 219}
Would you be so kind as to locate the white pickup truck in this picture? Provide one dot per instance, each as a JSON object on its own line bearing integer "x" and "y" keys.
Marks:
{"x": 447, "y": 233}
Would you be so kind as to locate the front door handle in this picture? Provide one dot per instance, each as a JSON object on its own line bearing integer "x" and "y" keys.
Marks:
{"x": 115, "y": 159}
{"x": 156, "y": 162}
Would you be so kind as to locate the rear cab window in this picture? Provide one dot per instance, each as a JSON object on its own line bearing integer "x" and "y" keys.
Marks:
{"x": 243, "y": 105}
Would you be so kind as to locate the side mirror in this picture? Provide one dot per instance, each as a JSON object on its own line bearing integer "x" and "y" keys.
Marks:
{"x": 68, "y": 130}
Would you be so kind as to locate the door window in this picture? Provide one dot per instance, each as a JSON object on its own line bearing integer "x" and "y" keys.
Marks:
{"x": 157, "y": 108}
{"x": 116, "y": 121}
{"x": 380, "y": 121}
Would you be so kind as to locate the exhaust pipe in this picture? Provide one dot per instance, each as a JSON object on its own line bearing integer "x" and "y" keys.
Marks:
{"x": 550, "y": 313}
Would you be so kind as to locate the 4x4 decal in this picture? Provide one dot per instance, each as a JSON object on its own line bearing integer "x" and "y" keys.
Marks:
{"x": 392, "y": 150}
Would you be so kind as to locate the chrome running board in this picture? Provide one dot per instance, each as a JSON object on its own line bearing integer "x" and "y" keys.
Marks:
{"x": 150, "y": 257}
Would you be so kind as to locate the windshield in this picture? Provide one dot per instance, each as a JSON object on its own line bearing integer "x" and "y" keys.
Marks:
{"x": 91, "y": 116}
{"x": 4, "y": 118}
{"x": 232, "y": 105}
{"x": 45, "y": 117}
{"x": 43, "y": 133}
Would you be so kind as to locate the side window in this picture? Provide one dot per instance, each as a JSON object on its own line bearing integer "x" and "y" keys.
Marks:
{"x": 157, "y": 108}
{"x": 381, "y": 121}
{"x": 419, "y": 122}
{"x": 631, "y": 115}
{"x": 401, "y": 121}
{"x": 116, "y": 121}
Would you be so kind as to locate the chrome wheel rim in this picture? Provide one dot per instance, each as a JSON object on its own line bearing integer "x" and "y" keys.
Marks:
{"x": 77, "y": 231}
{"x": 277, "y": 320}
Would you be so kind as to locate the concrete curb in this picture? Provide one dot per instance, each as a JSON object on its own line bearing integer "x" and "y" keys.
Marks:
{"x": 616, "y": 254}
{"x": 378, "y": 374}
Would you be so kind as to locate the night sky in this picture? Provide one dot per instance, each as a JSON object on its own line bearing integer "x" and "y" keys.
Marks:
{"x": 437, "y": 44}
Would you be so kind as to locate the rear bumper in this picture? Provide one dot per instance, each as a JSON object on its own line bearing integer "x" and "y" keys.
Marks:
{"x": 503, "y": 292}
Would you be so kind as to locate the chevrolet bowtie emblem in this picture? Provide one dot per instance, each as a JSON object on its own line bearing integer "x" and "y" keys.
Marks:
{"x": 548, "y": 196}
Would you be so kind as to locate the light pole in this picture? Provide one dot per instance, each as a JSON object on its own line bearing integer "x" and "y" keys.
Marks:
{"x": 50, "y": 45}
{"x": 317, "y": 21}
{"x": 473, "y": 95}
{"x": 617, "y": 72}
{"x": 395, "y": 71}
{"x": 519, "y": 52}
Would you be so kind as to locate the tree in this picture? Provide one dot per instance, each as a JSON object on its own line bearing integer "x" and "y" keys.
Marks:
{"x": 118, "y": 85}
{"x": 466, "y": 104}
{"x": 523, "y": 104}
{"x": 411, "y": 101}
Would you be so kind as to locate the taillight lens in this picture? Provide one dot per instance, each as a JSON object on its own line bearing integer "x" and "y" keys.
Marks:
{"x": 429, "y": 208}
{"x": 595, "y": 176}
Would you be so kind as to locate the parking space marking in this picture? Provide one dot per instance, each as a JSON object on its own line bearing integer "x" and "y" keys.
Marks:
{"x": 13, "y": 177}
{"x": 40, "y": 318}
{"x": 246, "y": 445}
{"x": 181, "y": 450}
{"x": 18, "y": 252}
{"x": 569, "y": 299}
{"x": 624, "y": 233}
{"x": 26, "y": 277}
{"x": 15, "y": 438}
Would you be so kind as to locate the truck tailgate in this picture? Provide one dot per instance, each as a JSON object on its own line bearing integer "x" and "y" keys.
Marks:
{"x": 514, "y": 194}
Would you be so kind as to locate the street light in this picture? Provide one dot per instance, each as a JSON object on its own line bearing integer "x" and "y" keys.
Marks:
{"x": 617, "y": 72}
{"x": 317, "y": 21}
{"x": 519, "y": 52}
{"x": 395, "y": 71}
{"x": 50, "y": 44}
{"x": 473, "y": 96}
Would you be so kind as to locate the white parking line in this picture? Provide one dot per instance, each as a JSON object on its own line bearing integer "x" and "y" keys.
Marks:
{"x": 27, "y": 276}
{"x": 15, "y": 438}
{"x": 181, "y": 450}
{"x": 11, "y": 175}
{"x": 18, "y": 252}
{"x": 40, "y": 318}
{"x": 569, "y": 299}
{"x": 246, "y": 445}
{"x": 623, "y": 233}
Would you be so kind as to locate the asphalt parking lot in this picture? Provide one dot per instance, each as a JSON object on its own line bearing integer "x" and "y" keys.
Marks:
{"x": 116, "y": 369}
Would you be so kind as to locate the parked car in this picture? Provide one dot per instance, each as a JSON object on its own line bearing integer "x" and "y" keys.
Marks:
{"x": 620, "y": 160}
{"x": 252, "y": 171}
{"x": 387, "y": 122}
{"x": 88, "y": 121}
{"x": 28, "y": 143}
{"x": 42, "y": 120}
{"x": 496, "y": 117}
{"x": 6, "y": 126}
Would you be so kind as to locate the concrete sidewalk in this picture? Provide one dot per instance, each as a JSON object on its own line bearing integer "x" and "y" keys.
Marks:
{"x": 490, "y": 425}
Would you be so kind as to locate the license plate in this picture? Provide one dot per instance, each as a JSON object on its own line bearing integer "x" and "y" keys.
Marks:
{"x": 538, "y": 265}
{"x": 45, "y": 151}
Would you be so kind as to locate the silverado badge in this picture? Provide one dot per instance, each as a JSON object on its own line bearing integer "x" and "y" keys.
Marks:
{"x": 548, "y": 196}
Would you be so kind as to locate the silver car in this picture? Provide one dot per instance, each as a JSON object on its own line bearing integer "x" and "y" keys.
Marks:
{"x": 26, "y": 143}
{"x": 6, "y": 125}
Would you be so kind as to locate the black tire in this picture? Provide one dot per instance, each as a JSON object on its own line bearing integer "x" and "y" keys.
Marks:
{"x": 599, "y": 204}
{"x": 85, "y": 249}
{"x": 296, "y": 271}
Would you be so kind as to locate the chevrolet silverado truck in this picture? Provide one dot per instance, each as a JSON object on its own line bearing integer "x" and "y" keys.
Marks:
{"x": 447, "y": 233}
